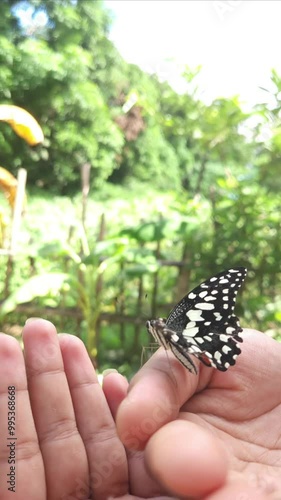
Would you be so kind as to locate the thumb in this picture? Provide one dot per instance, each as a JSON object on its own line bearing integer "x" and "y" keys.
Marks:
{"x": 186, "y": 459}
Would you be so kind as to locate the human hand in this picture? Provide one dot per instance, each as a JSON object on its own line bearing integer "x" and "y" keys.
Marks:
{"x": 66, "y": 439}
{"x": 215, "y": 436}
{"x": 66, "y": 446}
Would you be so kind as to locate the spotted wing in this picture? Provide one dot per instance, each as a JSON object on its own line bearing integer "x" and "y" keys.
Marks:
{"x": 205, "y": 323}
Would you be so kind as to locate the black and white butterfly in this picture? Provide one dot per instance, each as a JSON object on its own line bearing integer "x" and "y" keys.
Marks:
{"x": 203, "y": 323}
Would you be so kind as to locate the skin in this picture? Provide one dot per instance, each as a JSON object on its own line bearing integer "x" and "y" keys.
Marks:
{"x": 214, "y": 436}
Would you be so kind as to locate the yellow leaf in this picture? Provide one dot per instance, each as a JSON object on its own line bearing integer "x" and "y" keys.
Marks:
{"x": 22, "y": 123}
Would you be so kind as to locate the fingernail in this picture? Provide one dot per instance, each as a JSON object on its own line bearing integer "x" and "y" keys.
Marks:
{"x": 108, "y": 371}
{"x": 29, "y": 320}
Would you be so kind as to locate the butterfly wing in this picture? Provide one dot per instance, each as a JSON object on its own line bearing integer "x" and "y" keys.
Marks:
{"x": 205, "y": 323}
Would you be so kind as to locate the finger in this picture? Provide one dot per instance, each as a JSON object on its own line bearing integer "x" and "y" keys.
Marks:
{"x": 186, "y": 459}
{"x": 155, "y": 396}
{"x": 21, "y": 464}
{"x": 239, "y": 492}
{"x": 133, "y": 497}
{"x": 61, "y": 445}
{"x": 256, "y": 367}
{"x": 115, "y": 388}
{"x": 106, "y": 454}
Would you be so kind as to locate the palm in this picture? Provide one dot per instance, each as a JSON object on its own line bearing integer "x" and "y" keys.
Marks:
{"x": 67, "y": 434}
{"x": 241, "y": 407}
{"x": 244, "y": 414}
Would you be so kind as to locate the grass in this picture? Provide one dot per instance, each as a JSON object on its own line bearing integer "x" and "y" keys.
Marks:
{"x": 48, "y": 217}
{"x": 51, "y": 219}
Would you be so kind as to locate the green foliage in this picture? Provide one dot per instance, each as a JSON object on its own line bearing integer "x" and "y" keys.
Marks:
{"x": 178, "y": 179}
{"x": 54, "y": 73}
{"x": 151, "y": 158}
{"x": 45, "y": 285}
{"x": 239, "y": 225}
{"x": 206, "y": 138}
{"x": 70, "y": 76}
{"x": 268, "y": 137}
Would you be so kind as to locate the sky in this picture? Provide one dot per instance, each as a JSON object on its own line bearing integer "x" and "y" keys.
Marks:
{"x": 237, "y": 42}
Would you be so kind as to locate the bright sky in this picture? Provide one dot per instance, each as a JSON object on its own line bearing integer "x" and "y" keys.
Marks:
{"x": 236, "y": 42}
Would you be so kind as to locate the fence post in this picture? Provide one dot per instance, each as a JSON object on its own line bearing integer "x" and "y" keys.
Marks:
{"x": 16, "y": 220}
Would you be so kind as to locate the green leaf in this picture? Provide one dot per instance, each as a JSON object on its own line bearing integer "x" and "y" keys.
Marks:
{"x": 37, "y": 286}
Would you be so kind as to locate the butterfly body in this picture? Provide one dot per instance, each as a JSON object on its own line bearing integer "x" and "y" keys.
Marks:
{"x": 203, "y": 324}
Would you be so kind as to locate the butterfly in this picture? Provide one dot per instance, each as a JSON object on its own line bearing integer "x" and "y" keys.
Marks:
{"x": 203, "y": 323}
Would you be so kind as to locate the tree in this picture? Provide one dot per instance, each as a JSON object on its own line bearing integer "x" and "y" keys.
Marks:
{"x": 57, "y": 61}
{"x": 207, "y": 138}
{"x": 268, "y": 136}
{"x": 56, "y": 72}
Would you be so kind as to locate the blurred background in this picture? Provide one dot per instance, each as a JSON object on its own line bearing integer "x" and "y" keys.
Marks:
{"x": 140, "y": 150}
